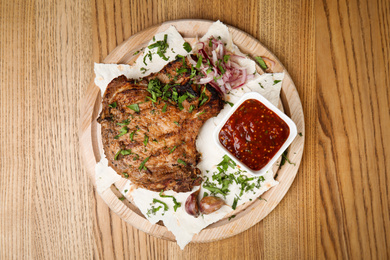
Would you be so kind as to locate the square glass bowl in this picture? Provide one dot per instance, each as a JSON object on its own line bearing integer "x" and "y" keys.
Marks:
{"x": 284, "y": 117}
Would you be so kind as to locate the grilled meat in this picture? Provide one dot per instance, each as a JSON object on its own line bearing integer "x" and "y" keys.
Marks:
{"x": 149, "y": 127}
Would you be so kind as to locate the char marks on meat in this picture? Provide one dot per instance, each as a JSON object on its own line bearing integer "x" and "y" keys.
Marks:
{"x": 155, "y": 146}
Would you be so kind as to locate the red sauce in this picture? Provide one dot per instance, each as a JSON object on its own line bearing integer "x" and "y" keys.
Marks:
{"x": 254, "y": 134}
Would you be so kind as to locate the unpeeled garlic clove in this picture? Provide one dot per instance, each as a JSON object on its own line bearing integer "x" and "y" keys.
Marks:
{"x": 191, "y": 205}
{"x": 210, "y": 204}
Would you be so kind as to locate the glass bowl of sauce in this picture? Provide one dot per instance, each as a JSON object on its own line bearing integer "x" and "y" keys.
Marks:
{"x": 255, "y": 133}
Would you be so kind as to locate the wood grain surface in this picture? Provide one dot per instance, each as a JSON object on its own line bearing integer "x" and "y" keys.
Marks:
{"x": 337, "y": 53}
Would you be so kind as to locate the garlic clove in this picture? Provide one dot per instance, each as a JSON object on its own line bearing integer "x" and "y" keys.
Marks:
{"x": 210, "y": 204}
{"x": 191, "y": 205}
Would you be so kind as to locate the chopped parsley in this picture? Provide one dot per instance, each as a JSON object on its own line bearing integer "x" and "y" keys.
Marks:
{"x": 187, "y": 47}
{"x": 134, "y": 107}
{"x": 126, "y": 174}
{"x": 226, "y": 162}
{"x": 199, "y": 63}
{"x": 142, "y": 166}
{"x": 122, "y": 152}
{"x": 123, "y": 131}
{"x": 132, "y": 135}
{"x": 176, "y": 123}
{"x": 143, "y": 70}
{"x": 221, "y": 180}
{"x": 113, "y": 105}
{"x": 234, "y": 206}
{"x": 148, "y": 55}
{"x": 261, "y": 62}
{"x": 163, "y": 203}
{"x": 201, "y": 113}
{"x": 164, "y": 109}
{"x": 203, "y": 97}
{"x": 182, "y": 162}
{"x": 230, "y": 103}
{"x": 181, "y": 100}
{"x": 177, "y": 204}
{"x": 261, "y": 85}
{"x": 124, "y": 122}
{"x": 191, "y": 108}
{"x": 233, "y": 216}
{"x": 173, "y": 149}
{"x": 276, "y": 81}
{"x": 193, "y": 72}
{"x": 146, "y": 139}
{"x": 181, "y": 70}
{"x": 153, "y": 210}
{"x": 161, "y": 46}
{"x": 285, "y": 158}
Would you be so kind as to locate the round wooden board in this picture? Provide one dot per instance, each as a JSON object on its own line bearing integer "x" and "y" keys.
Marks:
{"x": 247, "y": 215}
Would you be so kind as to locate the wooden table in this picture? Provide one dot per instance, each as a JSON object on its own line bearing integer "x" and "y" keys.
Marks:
{"x": 337, "y": 53}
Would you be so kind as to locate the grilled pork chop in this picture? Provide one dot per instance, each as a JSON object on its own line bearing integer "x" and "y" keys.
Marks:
{"x": 149, "y": 127}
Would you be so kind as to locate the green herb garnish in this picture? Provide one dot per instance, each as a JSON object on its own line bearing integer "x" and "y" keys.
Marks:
{"x": 261, "y": 62}
{"x": 235, "y": 202}
{"x": 232, "y": 216}
{"x": 181, "y": 70}
{"x": 226, "y": 162}
{"x": 276, "y": 81}
{"x": 113, "y": 105}
{"x": 284, "y": 159}
{"x": 164, "y": 108}
{"x": 177, "y": 204}
{"x": 230, "y": 103}
{"x": 134, "y": 107}
{"x": 199, "y": 63}
{"x": 153, "y": 210}
{"x": 123, "y": 131}
{"x": 123, "y": 152}
{"x": 181, "y": 100}
{"x": 182, "y": 162}
{"x": 142, "y": 166}
{"x": 187, "y": 47}
{"x": 201, "y": 113}
{"x": 124, "y": 122}
{"x": 143, "y": 70}
{"x": 173, "y": 149}
{"x": 146, "y": 139}
{"x": 161, "y": 46}
{"x": 163, "y": 203}
{"x": 132, "y": 135}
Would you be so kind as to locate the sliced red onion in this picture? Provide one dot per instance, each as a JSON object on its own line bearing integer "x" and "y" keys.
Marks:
{"x": 227, "y": 75}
